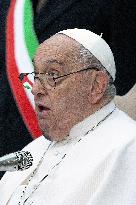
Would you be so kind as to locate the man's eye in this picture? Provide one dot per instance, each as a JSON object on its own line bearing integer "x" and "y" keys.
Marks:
{"x": 53, "y": 75}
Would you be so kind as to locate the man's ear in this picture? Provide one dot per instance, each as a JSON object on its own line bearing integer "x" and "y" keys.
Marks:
{"x": 99, "y": 85}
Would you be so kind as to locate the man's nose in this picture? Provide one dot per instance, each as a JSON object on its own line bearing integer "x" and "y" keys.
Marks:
{"x": 38, "y": 89}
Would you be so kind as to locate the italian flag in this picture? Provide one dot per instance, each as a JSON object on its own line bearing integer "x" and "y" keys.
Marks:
{"x": 20, "y": 48}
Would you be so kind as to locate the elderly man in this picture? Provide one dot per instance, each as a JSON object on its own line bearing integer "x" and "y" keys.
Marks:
{"x": 89, "y": 154}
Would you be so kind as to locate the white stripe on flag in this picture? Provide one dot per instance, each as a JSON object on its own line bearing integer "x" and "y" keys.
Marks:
{"x": 23, "y": 60}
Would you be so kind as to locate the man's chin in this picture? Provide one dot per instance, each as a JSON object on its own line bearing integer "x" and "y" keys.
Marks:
{"x": 48, "y": 134}
{"x": 44, "y": 130}
{"x": 43, "y": 125}
{"x": 51, "y": 133}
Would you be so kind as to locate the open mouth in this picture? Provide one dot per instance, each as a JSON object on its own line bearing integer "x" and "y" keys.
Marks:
{"x": 42, "y": 108}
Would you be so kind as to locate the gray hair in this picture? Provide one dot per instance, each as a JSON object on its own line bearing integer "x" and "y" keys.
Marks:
{"x": 88, "y": 58}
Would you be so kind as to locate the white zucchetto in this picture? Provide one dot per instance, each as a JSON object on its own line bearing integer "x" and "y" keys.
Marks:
{"x": 96, "y": 45}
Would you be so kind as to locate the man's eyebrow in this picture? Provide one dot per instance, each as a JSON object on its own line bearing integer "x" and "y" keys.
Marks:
{"x": 55, "y": 61}
{"x": 50, "y": 61}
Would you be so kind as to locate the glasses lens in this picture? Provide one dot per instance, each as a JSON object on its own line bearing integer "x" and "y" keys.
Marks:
{"x": 44, "y": 79}
{"x": 50, "y": 80}
{"x": 30, "y": 76}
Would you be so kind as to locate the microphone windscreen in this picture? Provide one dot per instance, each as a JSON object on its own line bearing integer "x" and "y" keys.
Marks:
{"x": 17, "y": 161}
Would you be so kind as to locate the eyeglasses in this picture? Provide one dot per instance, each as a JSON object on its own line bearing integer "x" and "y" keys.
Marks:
{"x": 52, "y": 78}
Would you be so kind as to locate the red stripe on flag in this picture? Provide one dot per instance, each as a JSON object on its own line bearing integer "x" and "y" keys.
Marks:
{"x": 26, "y": 79}
{"x": 20, "y": 96}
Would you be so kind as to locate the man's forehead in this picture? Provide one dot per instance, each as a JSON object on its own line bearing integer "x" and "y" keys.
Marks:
{"x": 59, "y": 49}
{"x": 57, "y": 42}
{"x": 50, "y": 61}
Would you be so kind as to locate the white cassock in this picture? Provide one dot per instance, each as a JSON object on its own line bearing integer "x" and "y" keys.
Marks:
{"x": 96, "y": 167}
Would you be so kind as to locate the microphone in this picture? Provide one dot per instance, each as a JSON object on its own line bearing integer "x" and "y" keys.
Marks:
{"x": 17, "y": 161}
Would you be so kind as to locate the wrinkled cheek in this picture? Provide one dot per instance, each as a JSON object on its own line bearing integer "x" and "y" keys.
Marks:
{"x": 63, "y": 105}
{"x": 59, "y": 113}
{"x": 60, "y": 104}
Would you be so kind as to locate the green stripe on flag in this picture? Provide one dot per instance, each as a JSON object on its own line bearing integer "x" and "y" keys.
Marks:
{"x": 27, "y": 86}
{"x": 30, "y": 35}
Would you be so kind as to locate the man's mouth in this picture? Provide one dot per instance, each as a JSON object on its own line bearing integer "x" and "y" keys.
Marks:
{"x": 42, "y": 108}
{"x": 42, "y": 111}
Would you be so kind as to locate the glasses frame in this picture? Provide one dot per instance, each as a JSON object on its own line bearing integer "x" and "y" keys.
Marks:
{"x": 22, "y": 75}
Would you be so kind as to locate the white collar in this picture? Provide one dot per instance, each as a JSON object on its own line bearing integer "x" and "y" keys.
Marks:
{"x": 92, "y": 121}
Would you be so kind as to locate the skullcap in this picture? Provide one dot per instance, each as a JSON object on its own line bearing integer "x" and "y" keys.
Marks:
{"x": 96, "y": 45}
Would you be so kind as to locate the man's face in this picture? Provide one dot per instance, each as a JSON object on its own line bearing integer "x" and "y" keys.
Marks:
{"x": 59, "y": 108}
